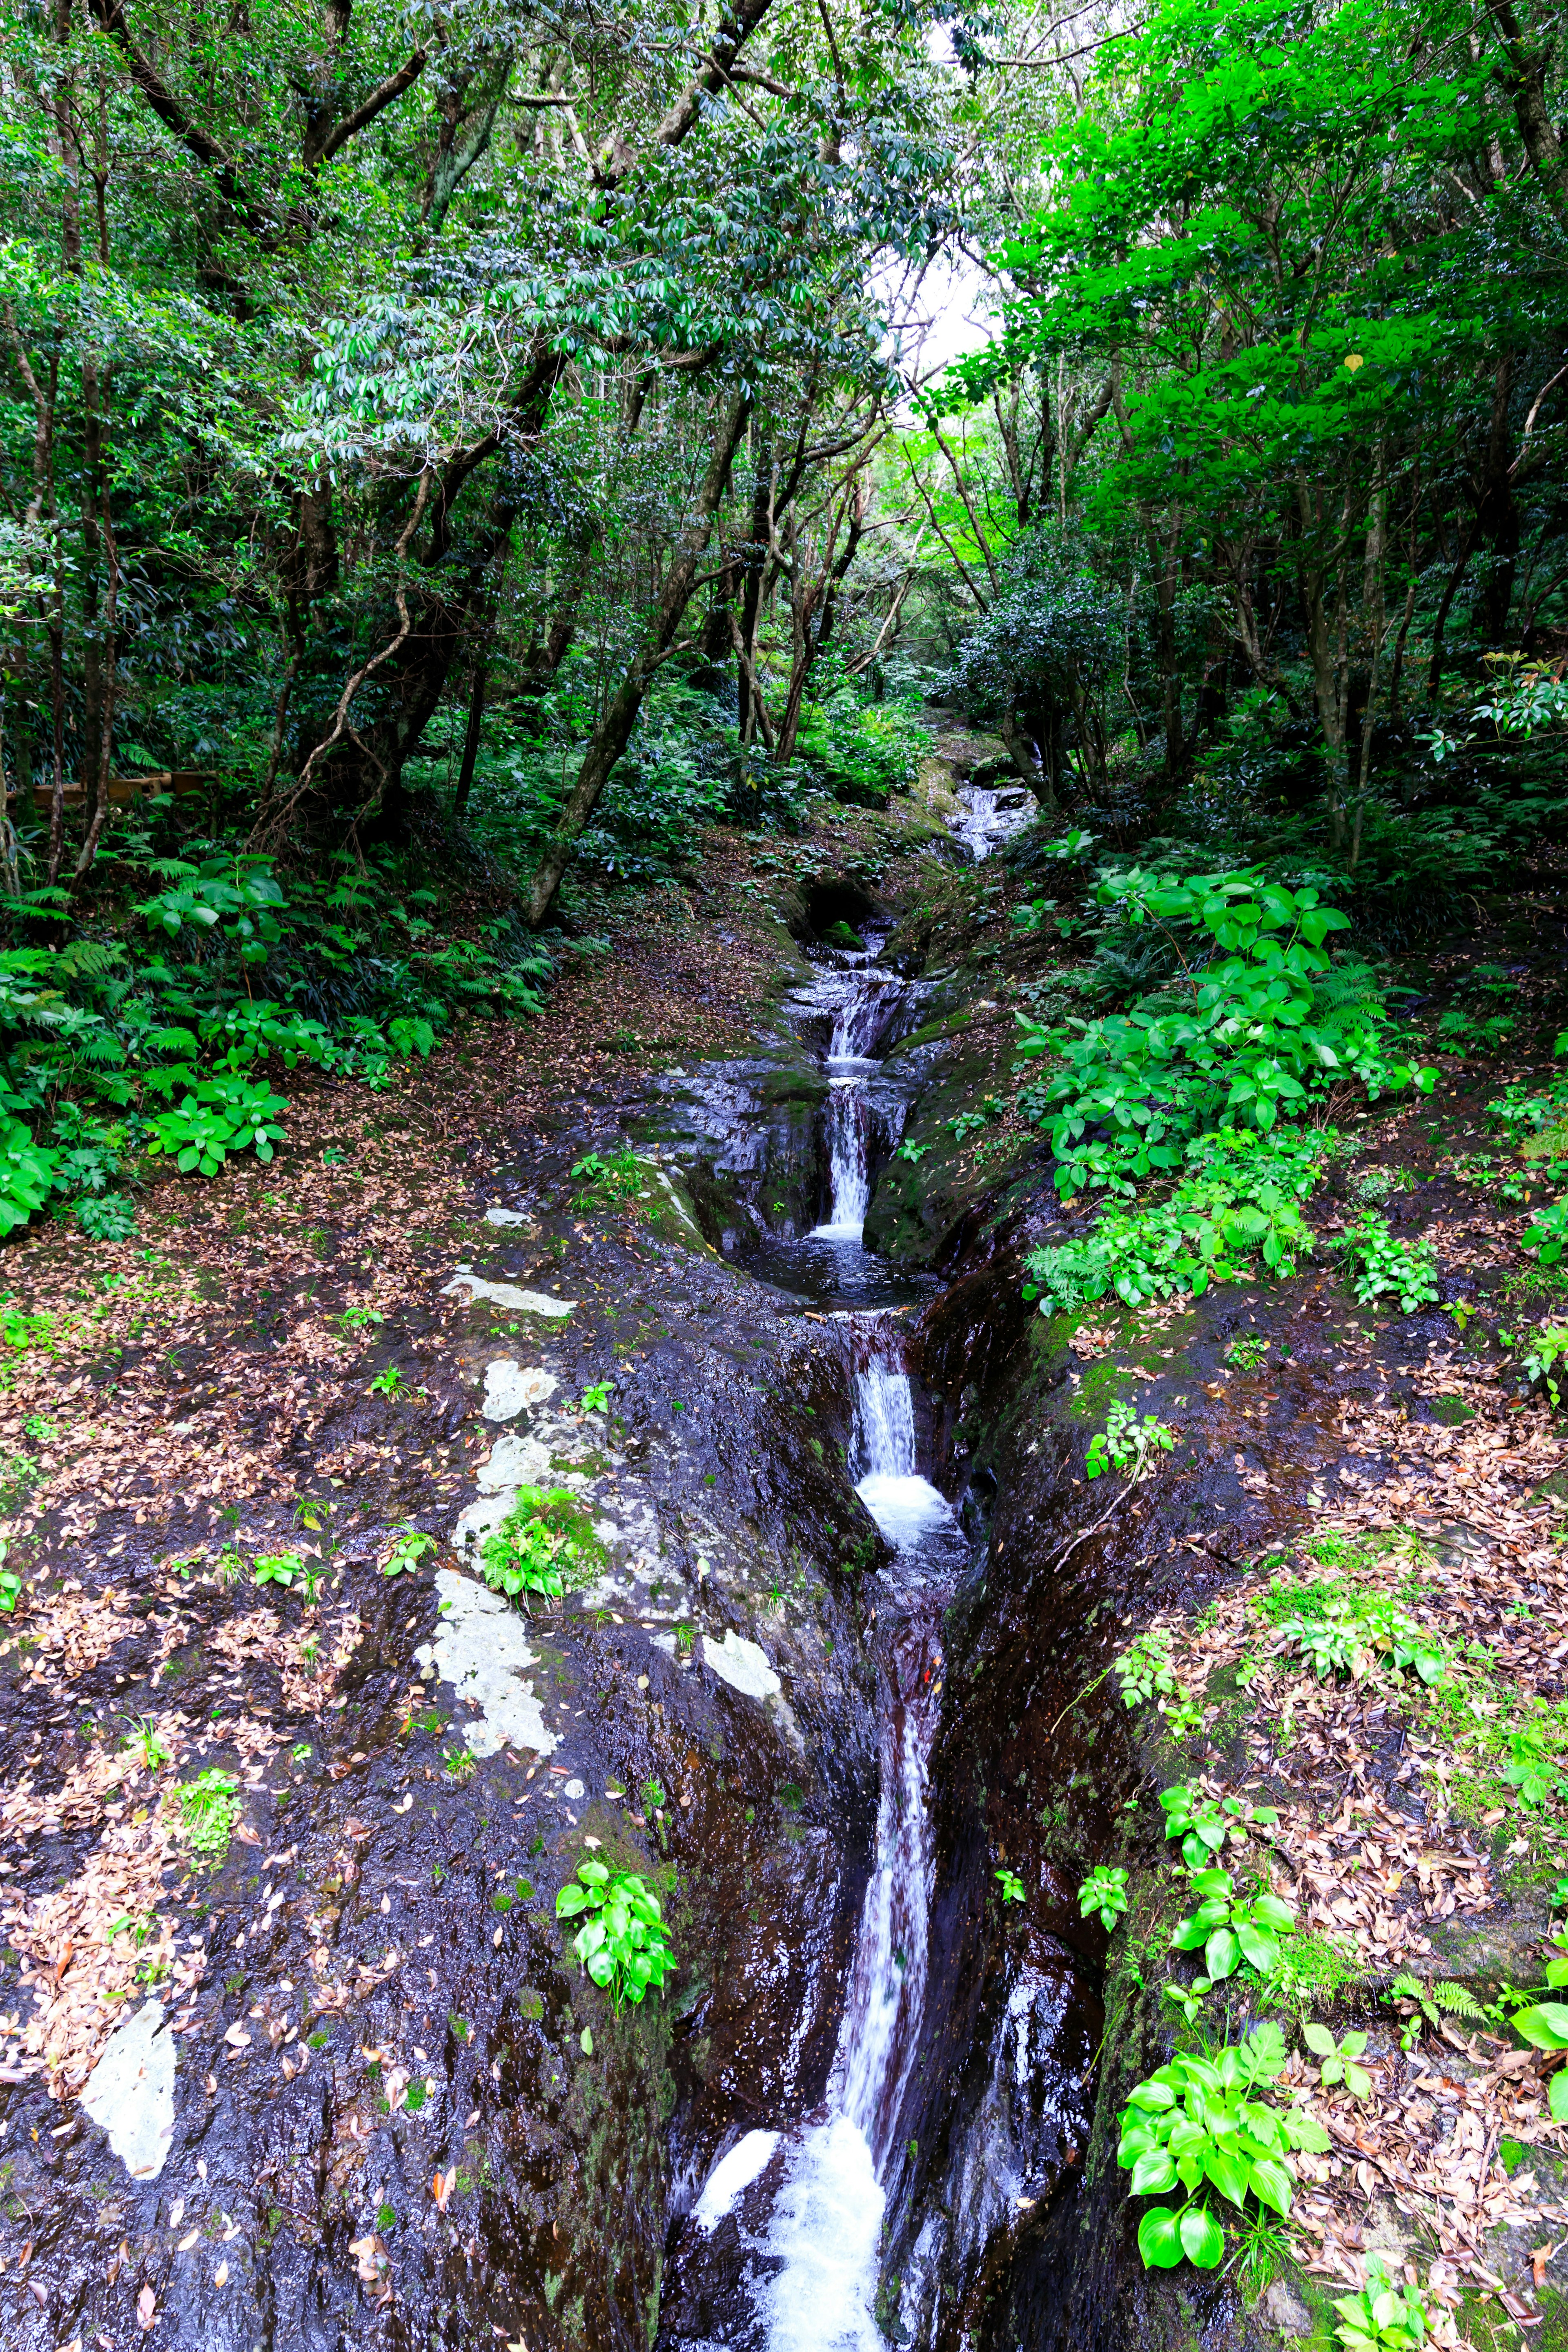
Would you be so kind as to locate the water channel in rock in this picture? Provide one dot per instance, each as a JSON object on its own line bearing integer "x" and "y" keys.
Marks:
{"x": 810, "y": 2203}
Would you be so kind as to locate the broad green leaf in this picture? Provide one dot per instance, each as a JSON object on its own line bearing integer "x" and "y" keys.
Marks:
{"x": 1160, "y": 2238}
{"x": 1202, "y": 2239}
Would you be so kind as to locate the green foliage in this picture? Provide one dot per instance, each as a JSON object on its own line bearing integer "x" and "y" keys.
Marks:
{"x": 1383, "y": 1267}
{"x": 1236, "y": 1209}
{"x": 410, "y": 1544}
{"x": 1104, "y": 1892}
{"x": 538, "y": 1548}
{"x": 1011, "y": 1884}
{"x": 1538, "y": 1762}
{"x": 1548, "y": 1350}
{"x": 1338, "y": 2060}
{"x": 212, "y": 1118}
{"x": 1144, "y": 1669}
{"x": 862, "y": 750}
{"x": 10, "y": 1584}
{"x": 150, "y": 1752}
{"x": 1127, "y": 1442}
{"x": 208, "y": 1806}
{"x": 1382, "y": 2318}
{"x": 388, "y": 1383}
{"x": 1230, "y": 1928}
{"x": 596, "y": 1397}
{"x": 1357, "y": 1635}
{"x": 619, "y": 1177}
{"x": 1546, "y": 1237}
{"x": 1421, "y": 2004}
{"x": 1249, "y": 1352}
{"x": 1204, "y": 1824}
{"x": 1197, "y": 2123}
{"x": 1259, "y": 1025}
{"x": 277, "y": 1567}
{"x": 622, "y": 1943}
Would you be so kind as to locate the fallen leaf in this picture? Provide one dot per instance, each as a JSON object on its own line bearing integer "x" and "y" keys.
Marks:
{"x": 146, "y": 2309}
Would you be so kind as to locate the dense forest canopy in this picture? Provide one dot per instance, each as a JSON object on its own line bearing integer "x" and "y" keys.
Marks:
{"x": 454, "y": 452}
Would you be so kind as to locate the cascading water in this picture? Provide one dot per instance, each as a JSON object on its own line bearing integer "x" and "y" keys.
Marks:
{"x": 905, "y": 1505}
{"x": 812, "y": 2242}
{"x": 850, "y": 1176}
{"x": 814, "y": 2285}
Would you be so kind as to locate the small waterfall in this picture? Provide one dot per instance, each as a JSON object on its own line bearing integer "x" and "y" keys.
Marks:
{"x": 849, "y": 1177}
{"x": 905, "y": 1506}
{"x": 826, "y": 2222}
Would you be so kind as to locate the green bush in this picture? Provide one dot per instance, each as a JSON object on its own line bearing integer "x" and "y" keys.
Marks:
{"x": 1260, "y": 1024}
{"x": 1238, "y": 1208}
{"x": 623, "y": 1944}
{"x": 1197, "y": 2125}
{"x": 538, "y": 1548}
{"x": 1382, "y": 1268}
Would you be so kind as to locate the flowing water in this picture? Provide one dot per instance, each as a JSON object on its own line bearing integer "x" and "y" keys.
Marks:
{"x": 990, "y": 817}
{"x": 811, "y": 2279}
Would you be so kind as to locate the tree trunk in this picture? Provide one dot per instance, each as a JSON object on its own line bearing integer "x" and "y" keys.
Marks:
{"x": 614, "y": 731}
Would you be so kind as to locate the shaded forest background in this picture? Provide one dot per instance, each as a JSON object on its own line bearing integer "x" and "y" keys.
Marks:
{"x": 453, "y": 456}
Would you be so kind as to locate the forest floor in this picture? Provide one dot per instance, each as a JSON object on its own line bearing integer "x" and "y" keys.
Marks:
{"x": 278, "y": 1369}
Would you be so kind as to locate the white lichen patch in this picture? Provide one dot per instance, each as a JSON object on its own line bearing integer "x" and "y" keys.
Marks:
{"x": 505, "y": 1294}
{"x": 510, "y": 1387}
{"x": 499, "y": 1216}
{"x": 481, "y": 1649}
{"x": 743, "y": 1664}
{"x": 130, "y": 2094}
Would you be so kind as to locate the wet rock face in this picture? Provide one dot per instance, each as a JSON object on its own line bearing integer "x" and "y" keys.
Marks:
{"x": 389, "y": 2107}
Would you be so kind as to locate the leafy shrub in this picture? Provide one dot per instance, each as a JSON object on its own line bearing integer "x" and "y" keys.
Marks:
{"x": 26, "y": 1174}
{"x": 622, "y": 1944}
{"x": 863, "y": 750}
{"x": 1354, "y": 1637}
{"x": 1127, "y": 1442}
{"x": 1195, "y": 2124}
{"x": 1382, "y": 2318}
{"x": 1237, "y": 1207}
{"x": 1548, "y": 1350}
{"x": 106, "y": 1216}
{"x": 1385, "y": 1267}
{"x": 1230, "y": 1928}
{"x": 1259, "y": 1024}
{"x": 212, "y": 1118}
{"x": 1204, "y": 1824}
{"x": 1338, "y": 2060}
{"x": 1537, "y": 1765}
{"x": 537, "y": 1547}
{"x": 1103, "y": 1891}
{"x": 409, "y": 1546}
{"x": 1547, "y": 1236}
{"x": 208, "y": 1808}
{"x": 1144, "y": 1669}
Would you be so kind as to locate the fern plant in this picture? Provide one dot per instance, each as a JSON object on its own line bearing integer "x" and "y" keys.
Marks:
{"x": 1420, "y": 2004}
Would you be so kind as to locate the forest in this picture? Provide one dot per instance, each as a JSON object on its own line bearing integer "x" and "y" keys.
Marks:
{"x": 849, "y": 718}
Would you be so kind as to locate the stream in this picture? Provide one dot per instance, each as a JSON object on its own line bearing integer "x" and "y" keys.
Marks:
{"x": 810, "y": 2205}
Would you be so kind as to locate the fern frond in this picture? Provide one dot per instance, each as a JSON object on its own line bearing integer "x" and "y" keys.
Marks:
{"x": 1457, "y": 2000}
{"x": 1405, "y": 1986}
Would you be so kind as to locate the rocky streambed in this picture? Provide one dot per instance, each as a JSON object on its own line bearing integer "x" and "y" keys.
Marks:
{"x": 839, "y": 1670}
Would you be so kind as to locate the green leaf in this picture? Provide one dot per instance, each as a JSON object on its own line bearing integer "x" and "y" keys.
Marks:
{"x": 1160, "y": 2238}
{"x": 1202, "y": 2239}
{"x": 1319, "y": 2038}
{"x": 1154, "y": 2171}
{"x": 1271, "y": 2183}
{"x": 1544, "y": 2026}
{"x": 1557, "y": 2095}
{"x": 1220, "y": 1954}
{"x": 1227, "y": 2172}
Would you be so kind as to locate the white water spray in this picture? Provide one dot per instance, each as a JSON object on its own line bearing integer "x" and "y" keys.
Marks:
{"x": 825, "y": 2224}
